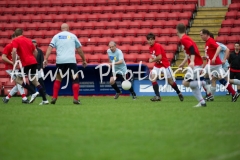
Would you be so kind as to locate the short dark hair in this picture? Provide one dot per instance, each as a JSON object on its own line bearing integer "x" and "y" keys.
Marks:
{"x": 18, "y": 32}
{"x": 13, "y": 35}
{"x": 205, "y": 31}
{"x": 211, "y": 35}
{"x": 150, "y": 36}
{"x": 181, "y": 28}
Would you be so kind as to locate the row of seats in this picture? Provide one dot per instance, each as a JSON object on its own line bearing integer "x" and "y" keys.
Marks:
{"x": 96, "y": 17}
{"x": 231, "y": 23}
{"x": 50, "y": 3}
{"x": 166, "y": 40}
{"x": 98, "y": 9}
{"x": 94, "y": 25}
{"x": 228, "y": 39}
{"x": 98, "y": 33}
{"x": 229, "y": 31}
{"x": 233, "y": 14}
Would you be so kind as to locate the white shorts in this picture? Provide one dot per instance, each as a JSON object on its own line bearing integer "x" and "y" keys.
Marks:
{"x": 14, "y": 74}
{"x": 192, "y": 74}
{"x": 168, "y": 73}
{"x": 215, "y": 70}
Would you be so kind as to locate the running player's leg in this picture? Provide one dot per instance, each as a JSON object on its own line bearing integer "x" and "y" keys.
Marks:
{"x": 153, "y": 78}
{"x": 114, "y": 86}
{"x": 123, "y": 78}
{"x": 10, "y": 94}
{"x": 57, "y": 83}
{"x": 22, "y": 92}
{"x": 173, "y": 84}
{"x": 75, "y": 82}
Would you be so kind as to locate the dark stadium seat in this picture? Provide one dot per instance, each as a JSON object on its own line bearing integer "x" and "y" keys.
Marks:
{"x": 112, "y": 2}
{"x": 13, "y": 3}
{"x": 97, "y": 9}
{"x": 168, "y": 1}
{"x": 228, "y": 23}
{"x": 123, "y": 2}
{"x": 154, "y": 8}
{"x": 102, "y": 2}
{"x": 35, "y": 3}
{"x": 144, "y": 2}
{"x": 134, "y": 2}
{"x": 165, "y": 8}
{"x": 157, "y": 1}
{"x": 150, "y": 16}
{"x": 162, "y": 16}
{"x": 143, "y": 8}
{"x": 180, "y": 2}
{"x": 79, "y": 2}
{"x": 238, "y": 15}
{"x": 135, "y": 24}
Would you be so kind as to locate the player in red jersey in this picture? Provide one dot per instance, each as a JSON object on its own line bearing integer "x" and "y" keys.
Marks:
{"x": 26, "y": 51}
{"x": 161, "y": 64}
{"x": 7, "y": 58}
{"x": 195, "y": 62}
{"x": 212, "y": 50}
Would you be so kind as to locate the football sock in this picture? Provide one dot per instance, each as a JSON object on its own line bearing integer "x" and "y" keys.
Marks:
{"x": 115, "y": 87}
{"x": 27, "y": 86}
{"x": 156, "y": 88}
{"x": 40, "y": 90}
{"x": 213, "y": 90}
{"x": 230, "y": 89}
{"x": 198, "y": 95}
{"x": 40, "y": 80}
{"x": 13, "y": 91}
{"x": 56, "y": 87}
{"x": 75, "y": 88}
{"x": 20, "y": 89}
{"x": 175, "y": 87}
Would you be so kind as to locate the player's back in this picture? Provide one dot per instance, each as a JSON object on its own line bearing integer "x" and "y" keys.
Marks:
{"x": 65, "y": 44}
{"x": 25, "y": 49}
{"x": 191, "y": 42}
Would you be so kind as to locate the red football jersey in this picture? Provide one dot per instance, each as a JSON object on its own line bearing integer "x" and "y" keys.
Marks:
{"x": 187, "y": 42}
{"x": 25, "y": 50}
{"x": 155, "y": 50}
{"x": 210, "y": 50}
{"x": 8, "y": 52}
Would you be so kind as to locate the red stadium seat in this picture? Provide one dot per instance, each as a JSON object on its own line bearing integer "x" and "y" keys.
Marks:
{"x": 126, "y": 40}
{"x": 170, "y": 48}
{"x": 135, "y": 24}
{"x": 104, "y": 58}
{"x": 221, "y": 39}
{"x": 143, "y": 58}
{"x": 238, "y": 15}
{"x": 168, "y": 32}
{"x": 13, "y": 4}
{"x": 130, "y": 58}
{"x": 165, "y": 8}
{"x": 134, "y": 49}
{"x": 143, "y": 8}
{"x": 58, "y": 3}
{"x": 142, "y": 32}
{"x": 134, "y": 2}
{"x": 233, "y": 39}
{"x": 235, "y": 31}
{"x": 68, "y": 3}
{"x": 104, "y": 41}
{"x": 157, "y": 1}
{"x": 162, "y": 40}
{"x": 119, "y": 32}
{"x": 112, "y": 25}
{"x": 168, "y": 1}
{"x": 138, "y": 16}
{"x": 144, "y": 49}
{"x": 109, "y": 9}
{"x": 124, "y": 24}
{"x": 180, "y": 2}
{"x": 178, "y": 8}
{"x": 234, "y": 6}
{"x": 127, "y": 16}
{"x": 173, "y": 40}
{"x": 97, "y": 9}
{"x": 112, "y": 2}
{"x": 131, "y": 8}
{"x": 2, "y": 66}
{"x": 170, "y": 24}
{"x": 150, "y": 65}
{"x": 108, "y": 33}
{"x": 6, "y": 34}
{"x": 146, "y": 2}
{"x": 52, "y": 59}
{"x": 236, "y": 23}
{"x": 170, "y": 56}
{"x": 123, "y": 2}
{"x": 231, "y": 15}
{"x": 105, "y": 17}
{"x": 154, "y": 8}
{"x": 148, "y": 24}
{"x": 224, "y": 31}
{"x": 101, "y": 2}
{"x": 101, "y": 25}
{"x": 189, "y": 7}
{"x": 185, "y": 15}
{"x": 93, "y": 41}
{"x": 90, "y": 3}
{"x": 79, "y": 2}
{"x": 46, "y": 3}
{"x": 230, "y": 46}
{"x": 94, "y": 58}
{"x": 228, "y": 23}
{"x": 31, "y": 10}
{"x": 174, "y": 16}
{"x": 100, "y": 49}
{"x": 162, "y": 16}
{"x": 35, "y": 3}
{"x": 150, "y": 16}
{"x": 10, "y": 11}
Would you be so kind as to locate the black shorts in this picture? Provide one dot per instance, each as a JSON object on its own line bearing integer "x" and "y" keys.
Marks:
{"x": 32, "y": 69}
{"x": 234, "y": 75}
{"x": 67, "y": 67}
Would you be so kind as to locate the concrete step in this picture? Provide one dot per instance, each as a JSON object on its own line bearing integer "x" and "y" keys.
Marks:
{"x": 205, "y": 25}
{"x": 198, "y": 29}
{"x": 212, "y": 13}
{"x": 212, "y": 8}
{"x": 208, "y": 21}
{"x": 210, "y": 16}
{"x": 197, "y": 32}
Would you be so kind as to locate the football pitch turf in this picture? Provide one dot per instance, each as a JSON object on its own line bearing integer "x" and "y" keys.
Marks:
{"x": 106, "y": 129}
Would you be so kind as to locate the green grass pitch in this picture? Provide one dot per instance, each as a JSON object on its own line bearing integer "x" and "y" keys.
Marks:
{"x": 106, "y": 129}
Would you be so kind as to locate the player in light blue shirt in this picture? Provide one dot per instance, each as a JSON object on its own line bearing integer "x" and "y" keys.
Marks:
{"x": 66, "y": 43}
{"x": 119, "y": 69}
{"x": 224, "y": 53}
